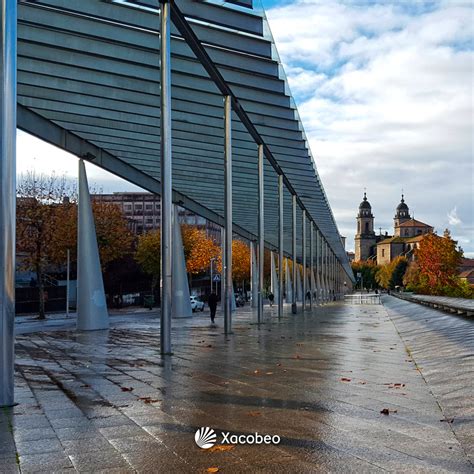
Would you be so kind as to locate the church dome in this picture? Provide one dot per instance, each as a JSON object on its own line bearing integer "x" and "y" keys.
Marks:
{"x": 402, "y": 206}
{"x": 365, "y": 204}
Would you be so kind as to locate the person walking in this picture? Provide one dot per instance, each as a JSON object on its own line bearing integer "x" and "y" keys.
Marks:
{"x": 212, "y": 302}
{"x": 271, "y": 297}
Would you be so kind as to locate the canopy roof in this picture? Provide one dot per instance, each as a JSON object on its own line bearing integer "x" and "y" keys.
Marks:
{"x": 88, "y": 81}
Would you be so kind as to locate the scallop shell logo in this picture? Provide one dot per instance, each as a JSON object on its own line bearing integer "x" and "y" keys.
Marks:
{"x": 205, "y": 437}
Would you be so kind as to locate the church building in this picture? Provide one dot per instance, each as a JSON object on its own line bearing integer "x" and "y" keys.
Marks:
{"x": 382, "y": 249}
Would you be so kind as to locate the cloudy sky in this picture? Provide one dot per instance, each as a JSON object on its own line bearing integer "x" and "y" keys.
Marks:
{"x": 385, "y": 93}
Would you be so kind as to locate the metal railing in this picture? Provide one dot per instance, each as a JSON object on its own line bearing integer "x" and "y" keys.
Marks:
{"x": 363, "y": 298}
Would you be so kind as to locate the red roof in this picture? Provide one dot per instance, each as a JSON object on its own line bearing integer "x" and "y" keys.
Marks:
{"x": 414, "y": 223}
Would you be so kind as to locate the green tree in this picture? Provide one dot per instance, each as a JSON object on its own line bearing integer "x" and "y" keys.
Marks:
{"x": 391, "y": 274}
{"x": 148, "y": 255}
{"x": 368, "y": 269}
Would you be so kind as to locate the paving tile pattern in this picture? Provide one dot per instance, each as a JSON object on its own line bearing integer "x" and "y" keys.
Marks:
{"x": 443, "y": 347}
{"x": 106, "y": 401}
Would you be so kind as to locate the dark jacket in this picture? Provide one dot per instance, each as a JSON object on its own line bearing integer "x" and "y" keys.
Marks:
{"x": 212, "y": 300}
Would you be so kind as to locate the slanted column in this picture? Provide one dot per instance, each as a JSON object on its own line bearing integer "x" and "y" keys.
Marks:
{"x": 261, "y": 230}
{"x": 91, "y": 304}
{"x": 181, "y": 304}
{"x": 280, "y": 245}
{"x": 8, "y": 25}
{"x": 166, "y": 179}
{"x": 293, "y": 251}
{"x": 304, "y": 257}
{"x": 229, "y": 293}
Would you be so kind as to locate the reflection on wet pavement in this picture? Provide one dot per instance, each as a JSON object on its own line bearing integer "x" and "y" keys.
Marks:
{"x": 107, "y": 401}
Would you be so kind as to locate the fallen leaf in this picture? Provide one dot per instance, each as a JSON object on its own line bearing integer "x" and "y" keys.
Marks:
{"x": 149, "y": 400}
{"x": 279, "y": 364}
{"x": 447, "y": 420}
{"x": 254, "y": 413}
{"x": 269, "y": 373}
{"x": 296, "y": 357}
{"x": 385, "y": 411}
{"x": 209, "y": 345}
{"x": 126, "y": 389}
{"x": 362, "y": 383}
{"x": 86, "y": 385}
{"x": 212, "y": 469}
{"x": 221, "y": 447}
{"x": 345, "y": 379}
{"x": 256, "y": 371}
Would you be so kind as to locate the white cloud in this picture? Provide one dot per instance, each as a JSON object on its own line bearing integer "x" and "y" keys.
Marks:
{"x": 453, "y": 218}
{"x": 385, "y": 93}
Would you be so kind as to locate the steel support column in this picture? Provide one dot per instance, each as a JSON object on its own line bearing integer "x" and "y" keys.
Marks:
{"x": 253, "y": 275}
{"x": 228, "y": 215}
{"x": 303, "y": 229}
{"x": 323, "y": 270}
{"x": 318, "y": 267}
{"x": 280, "y": 245}
{"x": 293, "y": 251}
{"x": 311, "y": 263}
{"x": 166, "y": 177}
{"x": 8, "y": 19}
{"x": 261, "y": 227}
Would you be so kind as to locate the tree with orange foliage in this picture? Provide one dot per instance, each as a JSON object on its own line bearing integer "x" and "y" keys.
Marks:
{"x": 199, "y": 249}
{"x": 38, "y": 197}
{"x": 435, "y": 270}
{"x": 113, "y": 235}
{"x": 240, "y": 261}
{"x": 438, "y": 259}
{"x": 47, "y": 227}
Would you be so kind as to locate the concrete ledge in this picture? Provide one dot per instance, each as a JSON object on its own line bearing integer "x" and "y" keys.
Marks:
{"x": 461, "y": 306}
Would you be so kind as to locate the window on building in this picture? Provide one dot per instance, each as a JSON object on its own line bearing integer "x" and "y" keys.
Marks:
{"x": 138, "y": 206}
{"x": 149, "y": 206}
{"x": 419, "y": 231}
{"x": 406, "y": 232}
{"x": 383, "y": 252}
{"x": 127, "y": 207}
{"x": 367, "y": 227}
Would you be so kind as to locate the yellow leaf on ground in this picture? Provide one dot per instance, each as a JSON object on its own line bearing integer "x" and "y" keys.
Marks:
{"x": 212, "y": 469}
{"x": 221, "y": 447}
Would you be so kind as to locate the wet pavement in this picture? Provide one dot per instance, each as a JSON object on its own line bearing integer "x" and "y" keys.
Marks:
{"x": 106, "y": 401}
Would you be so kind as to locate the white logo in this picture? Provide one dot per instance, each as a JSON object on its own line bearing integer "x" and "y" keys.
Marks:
{"x": 205, "y": 437}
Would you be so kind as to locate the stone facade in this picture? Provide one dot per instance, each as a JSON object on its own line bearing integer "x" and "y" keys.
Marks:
{"x": 382, "y": 249}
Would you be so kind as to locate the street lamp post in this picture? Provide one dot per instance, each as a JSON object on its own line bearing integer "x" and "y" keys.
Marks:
{"x": 212, "y": 261}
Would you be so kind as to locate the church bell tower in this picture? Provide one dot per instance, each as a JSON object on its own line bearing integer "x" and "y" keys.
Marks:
{"x": 365, "y": 237}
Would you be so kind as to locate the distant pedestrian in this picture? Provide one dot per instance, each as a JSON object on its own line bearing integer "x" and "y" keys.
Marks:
{"x": 308, "y": 295}
{"x": 212, "y": 305}
{"x": 271, "y": 297}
